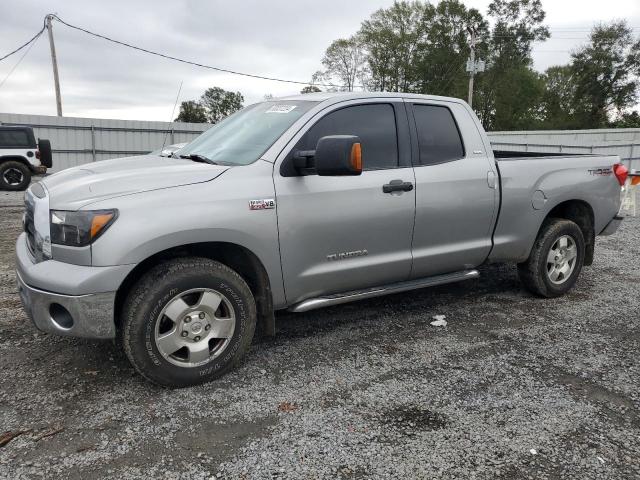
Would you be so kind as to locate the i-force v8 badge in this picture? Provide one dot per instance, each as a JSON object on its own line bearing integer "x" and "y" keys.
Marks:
{"x": 263, "y": 204}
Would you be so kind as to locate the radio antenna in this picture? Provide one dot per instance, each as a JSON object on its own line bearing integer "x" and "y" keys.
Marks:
{"x": 173, "y": 112}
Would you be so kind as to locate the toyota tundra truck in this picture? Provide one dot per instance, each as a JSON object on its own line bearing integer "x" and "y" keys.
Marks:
{"x": 298, "y": 203}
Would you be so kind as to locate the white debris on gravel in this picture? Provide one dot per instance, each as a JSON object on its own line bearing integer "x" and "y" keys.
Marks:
{"x": 439, "y": 321}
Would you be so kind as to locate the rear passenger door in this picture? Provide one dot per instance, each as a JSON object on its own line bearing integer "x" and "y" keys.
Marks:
{"x": 456, "y": 189}
{"x": 346, "y": 233}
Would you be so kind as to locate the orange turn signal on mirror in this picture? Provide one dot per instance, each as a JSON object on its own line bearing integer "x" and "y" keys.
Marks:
{"x": 98, "y": 223}
{"x": 356, "y": 157}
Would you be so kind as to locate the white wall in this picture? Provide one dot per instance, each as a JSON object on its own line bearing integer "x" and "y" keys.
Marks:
{"x": 624, "y": 142}
{"x": 76, "y": 141}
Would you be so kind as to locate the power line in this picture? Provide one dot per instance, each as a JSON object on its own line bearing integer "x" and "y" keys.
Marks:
{"x": 553, "y": 34}
{"x": 188, "y": 62}
{"x": 23, "y": 45}
{"x": 31, "y": 44}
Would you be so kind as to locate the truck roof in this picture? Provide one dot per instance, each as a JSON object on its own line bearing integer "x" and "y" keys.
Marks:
{"x": 323, "y": 96}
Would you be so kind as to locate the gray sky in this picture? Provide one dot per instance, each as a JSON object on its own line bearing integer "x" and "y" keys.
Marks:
{"x": 277, "y": 38}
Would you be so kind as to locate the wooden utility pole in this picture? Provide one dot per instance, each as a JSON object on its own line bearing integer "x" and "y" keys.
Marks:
{"x": 473, "y": 66}
{"x": 54, "y": 63}
{"x": 473, "y": 63}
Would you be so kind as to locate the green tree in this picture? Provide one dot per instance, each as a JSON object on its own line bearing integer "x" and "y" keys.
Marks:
{"x": 559, "y": 98}
{"x": 606, "y": 75}
{"x": 345, "y": 63}
{"x": 219, "y": 103}
{"x": 510, "y": 92}
{"x": 517, "y": 101}
{"x": 414, "y": 46}
{"x": 443, "y": 51}
{"x": 518, "y": 23}
{"x": 191, "y": 111}
{"x": 310, "y": 89}
{"x": 391, "y": 38}
{"x": 627, "y": 120}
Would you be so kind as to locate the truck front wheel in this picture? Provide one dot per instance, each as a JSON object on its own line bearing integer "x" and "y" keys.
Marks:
{"x": 188, "y": 321}
{"x": 555, "y": 260}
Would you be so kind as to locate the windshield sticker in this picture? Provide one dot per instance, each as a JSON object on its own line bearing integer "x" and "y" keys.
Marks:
{"x": 281, "y": 109}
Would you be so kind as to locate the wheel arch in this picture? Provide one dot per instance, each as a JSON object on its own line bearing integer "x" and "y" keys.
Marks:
{"x": 581, "y": 213}
{"x": 15, "y": 158}
{"x": 237, "y": 257}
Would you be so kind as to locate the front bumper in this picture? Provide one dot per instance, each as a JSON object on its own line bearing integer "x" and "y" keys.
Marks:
{"x": 68, "y": 299}
{"x": 89, "y": 316}
{"x": 612, "y": 226}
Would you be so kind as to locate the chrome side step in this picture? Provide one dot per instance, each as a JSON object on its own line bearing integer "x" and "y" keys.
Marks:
{"x": 336, "y": 299}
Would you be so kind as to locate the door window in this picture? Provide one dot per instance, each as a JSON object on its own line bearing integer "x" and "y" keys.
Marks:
{"x": 375, "y": 124}
{"x": 438, "y": 135}
{"x": 14, "y": 138}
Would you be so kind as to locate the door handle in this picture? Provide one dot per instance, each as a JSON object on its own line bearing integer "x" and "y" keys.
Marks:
{"x": 397, "y": 186}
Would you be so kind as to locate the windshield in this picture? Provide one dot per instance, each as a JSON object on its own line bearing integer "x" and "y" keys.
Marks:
{"x": 243, "y": 137}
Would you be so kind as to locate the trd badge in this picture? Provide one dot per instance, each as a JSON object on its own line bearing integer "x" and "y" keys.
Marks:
{"x": 263, "y": 204}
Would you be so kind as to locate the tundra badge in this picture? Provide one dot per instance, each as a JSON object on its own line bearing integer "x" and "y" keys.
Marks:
{"x": 345, "y": 255}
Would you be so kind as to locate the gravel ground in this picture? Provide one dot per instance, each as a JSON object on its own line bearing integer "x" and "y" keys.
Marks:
{"x": 513, "y": 387}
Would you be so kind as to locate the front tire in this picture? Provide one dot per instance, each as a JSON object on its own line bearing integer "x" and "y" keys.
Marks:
{"x": 556, "y": 259}
{"x": 14, "y": 176}
{"x": 188, "y": 321}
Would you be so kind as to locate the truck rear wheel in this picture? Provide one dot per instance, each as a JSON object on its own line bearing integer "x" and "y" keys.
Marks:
{"x": 188, "y": 321}
{"x": 555, "y": 260}
{"x": 14, "y": 175}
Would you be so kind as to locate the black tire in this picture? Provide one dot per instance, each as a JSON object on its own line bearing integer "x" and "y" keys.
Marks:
{"x": 155, "y": 291}
{"x": 534, "y": 272}
{"x": 46, "y": 156}
{"x": 14, "y": 175}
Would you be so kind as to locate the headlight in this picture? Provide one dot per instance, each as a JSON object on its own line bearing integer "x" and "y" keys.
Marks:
{"x": 80, "y": 228}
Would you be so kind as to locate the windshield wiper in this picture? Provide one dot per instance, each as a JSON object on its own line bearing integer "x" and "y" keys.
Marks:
{"x": 196, "y": 157}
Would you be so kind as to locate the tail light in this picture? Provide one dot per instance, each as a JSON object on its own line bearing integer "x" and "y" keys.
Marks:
{"x": 621, "y": 172}
{"x": 38, "y": 154}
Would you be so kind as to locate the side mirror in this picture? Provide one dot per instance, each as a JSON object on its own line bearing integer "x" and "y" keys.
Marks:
{"x": 334, "y": 155}
{"x": 338, "y": 155}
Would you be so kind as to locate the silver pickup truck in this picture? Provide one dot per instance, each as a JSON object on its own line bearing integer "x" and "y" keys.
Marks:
{"x": 298, "y": 203}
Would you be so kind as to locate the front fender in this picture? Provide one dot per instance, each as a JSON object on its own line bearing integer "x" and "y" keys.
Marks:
{"x": 217, "y": 211}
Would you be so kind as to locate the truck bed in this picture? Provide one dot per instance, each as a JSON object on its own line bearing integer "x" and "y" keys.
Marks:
{"x": 530, "y": 189}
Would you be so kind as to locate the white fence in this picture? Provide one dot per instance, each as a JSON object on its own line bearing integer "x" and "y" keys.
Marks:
{"x": 624, "y": 142}
{"x": 76, "y": 141}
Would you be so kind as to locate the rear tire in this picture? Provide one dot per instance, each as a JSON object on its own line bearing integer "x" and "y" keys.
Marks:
{"x": 14, "y": 176}
{"x": 188, "y": 321}
{"x": 555, "y": 260}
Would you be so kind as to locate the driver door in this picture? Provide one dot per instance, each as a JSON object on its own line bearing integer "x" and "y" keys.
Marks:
{"x": 344, "y": 233}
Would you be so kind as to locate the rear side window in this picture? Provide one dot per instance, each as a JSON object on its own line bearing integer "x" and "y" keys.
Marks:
{"x": 14, "y": 138}
{"x": 375, "y": 124}
{"x": 438, "y": 135}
